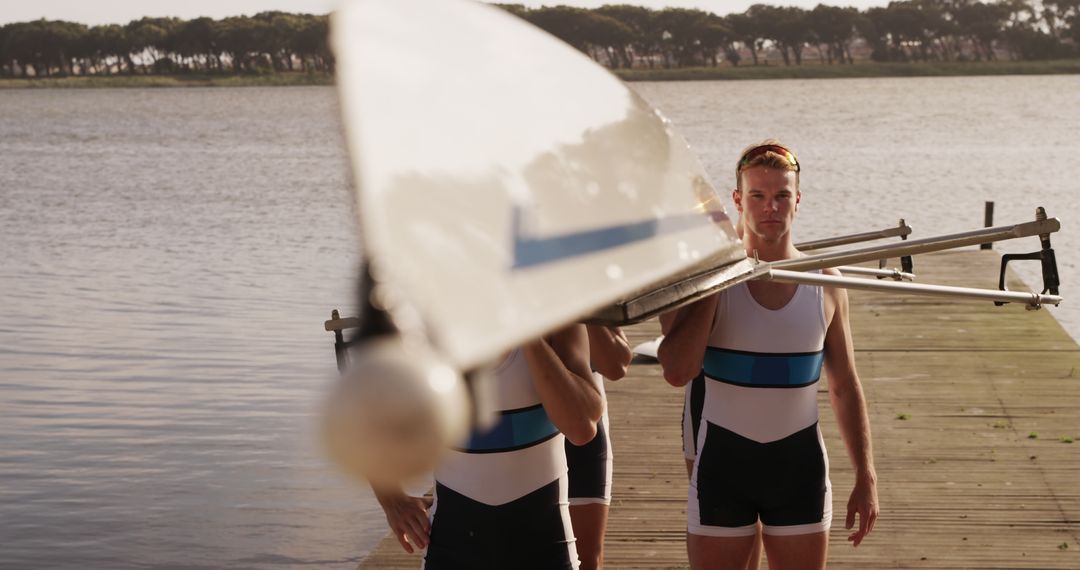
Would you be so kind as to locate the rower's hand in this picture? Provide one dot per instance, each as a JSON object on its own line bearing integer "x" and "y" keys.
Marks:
{"x": 408, "y": 519}
{"x": 864, "y": 502}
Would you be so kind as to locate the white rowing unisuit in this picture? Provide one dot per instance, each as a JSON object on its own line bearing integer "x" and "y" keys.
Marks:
{"x": 764, "y": 364}
{"x": 522, "y": 453}
{"x": 501, "y": 500}
{"x": 761, "y": 370}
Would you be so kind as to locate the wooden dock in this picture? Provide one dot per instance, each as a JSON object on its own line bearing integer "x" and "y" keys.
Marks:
{"x": 973, "y": 409}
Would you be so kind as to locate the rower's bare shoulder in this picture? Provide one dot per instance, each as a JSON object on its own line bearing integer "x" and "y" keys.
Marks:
{"x": 835, "y": 297}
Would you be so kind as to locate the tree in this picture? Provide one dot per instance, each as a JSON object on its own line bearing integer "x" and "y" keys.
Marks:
{"x": 983, "y": 25}
{"x": 617, "y": 35}
{"x": 196, "y": 40}
{"x": 277, "y": 37}
{"x": 608, "y": 36}
{"x": 786, "y": 27}
{"x": 912, "y": 26}
{"x": 1063, "y": 17}
{"x": 312, "y": 45}
{"x": 716, "y": 36}
{"x": 645, "y": 37}
{"x": 792, "y": 32}
{"x": 113, "y": 46}
{"x": 1031, "y": 44}
{"x": 240, "y": 38}
{"x": 747, "y": 30}
{"x": 150, "y": 36}
{"x": 904, "y": 31}
{"x": 44, "y": 46}
{"x": 564, "y": 22}
{"x": 834, "y": 27}
{"x": 869, "y": 27}
{"x": 7, "y": 63}
{"x": 681, "y": 35}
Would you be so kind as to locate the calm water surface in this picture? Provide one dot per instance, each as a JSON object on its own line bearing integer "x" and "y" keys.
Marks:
{"x": 167, "y": 258}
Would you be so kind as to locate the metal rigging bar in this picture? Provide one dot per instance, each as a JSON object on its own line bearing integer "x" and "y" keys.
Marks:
{"x": 1032, "y": 300}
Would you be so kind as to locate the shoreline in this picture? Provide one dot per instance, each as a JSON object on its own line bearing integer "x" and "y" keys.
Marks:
{"x": 724, "y": 73}
{"x": 286, "y": 79}
{"x": 854, "y": 71}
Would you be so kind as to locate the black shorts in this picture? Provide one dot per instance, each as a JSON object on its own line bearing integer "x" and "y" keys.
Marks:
{"x": 589, "y": 468}
{"x": 784, "y": 483}
{"x": 532, "y": 532}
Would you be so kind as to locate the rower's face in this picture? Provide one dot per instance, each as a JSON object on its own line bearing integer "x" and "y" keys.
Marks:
{"x": 767, "y": 202}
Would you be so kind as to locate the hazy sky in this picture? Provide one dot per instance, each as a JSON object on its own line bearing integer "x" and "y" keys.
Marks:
{"x": 123, "y": 11}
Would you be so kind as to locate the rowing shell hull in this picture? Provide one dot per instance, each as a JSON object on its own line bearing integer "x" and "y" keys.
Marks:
{"x": 506, "y": 184}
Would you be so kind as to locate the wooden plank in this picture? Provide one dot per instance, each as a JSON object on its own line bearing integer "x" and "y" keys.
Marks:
{"x": 969, "y": 405}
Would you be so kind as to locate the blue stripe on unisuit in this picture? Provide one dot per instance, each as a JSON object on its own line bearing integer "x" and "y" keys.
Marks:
{"x": 762, "y": 369}
{"x": 515, "y": 429}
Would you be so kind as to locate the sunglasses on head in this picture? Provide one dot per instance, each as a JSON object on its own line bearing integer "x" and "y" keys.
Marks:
{"x": 760, "y": 150}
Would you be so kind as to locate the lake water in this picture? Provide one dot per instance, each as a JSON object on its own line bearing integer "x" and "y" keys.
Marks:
{"x": 167, "y": 258}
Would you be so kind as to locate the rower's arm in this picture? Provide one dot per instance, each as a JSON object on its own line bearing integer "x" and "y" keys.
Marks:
{"x": 563, "y": 380}
{"x": 609, "y": 351}
{"x": 845, "y": 390}
{"x": 686, "y": 332}
{"x": 406, "y": 515}
{"x": 849, "y": 405}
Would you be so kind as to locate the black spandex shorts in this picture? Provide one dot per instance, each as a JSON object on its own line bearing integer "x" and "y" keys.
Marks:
{"x": 589, "y": 468}
{"x": 528, "y": 533}
{"x": 783, "y": 482}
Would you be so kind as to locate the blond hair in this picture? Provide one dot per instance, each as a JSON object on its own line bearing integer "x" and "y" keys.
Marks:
{"x": 767, "y": 159}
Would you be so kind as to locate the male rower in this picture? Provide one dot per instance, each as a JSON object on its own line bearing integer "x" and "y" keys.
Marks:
{"x": 760, "y": 347}
{"x": 501, "y": 500}
{"x": 590, "y": 465}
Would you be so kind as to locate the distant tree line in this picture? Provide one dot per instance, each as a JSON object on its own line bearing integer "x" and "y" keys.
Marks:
{"x": 907, "y": 31}
{"x": 621, "y": 36}
{"x": 265, "y": 42}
